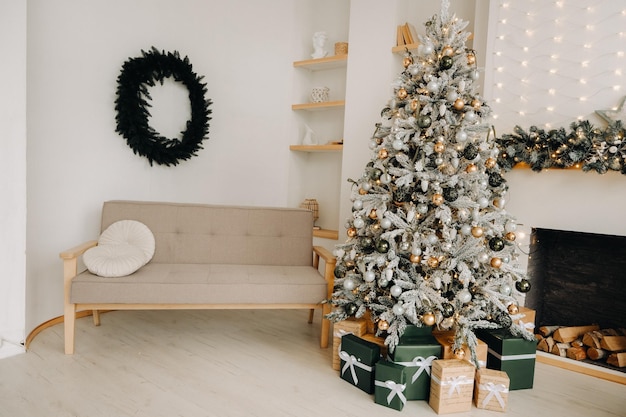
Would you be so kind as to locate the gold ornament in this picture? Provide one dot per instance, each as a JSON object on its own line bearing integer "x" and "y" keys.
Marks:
{"x": 362, "y": 191}
{"x": 402, "y": 94}
{"x": 476, "y": 104}
{"x": 372, "y": 214}
{"x": 433, "y": 262}
{"x": 437, "y": 199}
{"x": 383, "y": 153}
{"x": 447, "y": 50}
{"x": 440, "y": 147}
{"x": 490, "y": 162}
{"x": 471, "y": 59}
{"x": 428, "y": 319}
{"x": 383, "y": 325}
{"x": 459, "y": 353}
{"x": 513, "y": 309}
{"x": 477, "y": 231}
{"x": 459, "y": 104}
{"x": 496, "y": 262}
{"x": 415, "y": 105}
{"x": 415, "y": 259}
{"x": 352, "y": 232}
{"x": 407, "y": 61}
{"x": 471, "y": 168}
{"x": 510, "y": 236}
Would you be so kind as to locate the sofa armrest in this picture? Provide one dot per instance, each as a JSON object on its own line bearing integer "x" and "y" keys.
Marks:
{"x": 76, "y": 251}
{"x": 329, "y": 267}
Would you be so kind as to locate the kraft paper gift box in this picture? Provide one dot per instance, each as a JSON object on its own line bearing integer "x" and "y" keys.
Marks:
{"x": 451, "y": 386}
{"x": 528, "y": 319}
{"x": 358, "y": 359}
{"x": 491, "y": 390}
{"x": 354, "y": 326}
{"x": 511, "y": 354}
{"x": 446, "y": 340}
{"x": 380, "y": 341}
{"x": 416, "y": 354}
{"x": 390, "y": 385}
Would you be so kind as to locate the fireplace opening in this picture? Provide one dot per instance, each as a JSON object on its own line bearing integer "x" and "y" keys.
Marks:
{"x": 578, "y": 279}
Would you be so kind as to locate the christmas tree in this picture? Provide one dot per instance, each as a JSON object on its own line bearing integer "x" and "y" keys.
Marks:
{"x": 429, "y": 240}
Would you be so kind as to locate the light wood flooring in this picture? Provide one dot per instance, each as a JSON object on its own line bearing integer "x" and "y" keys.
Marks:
{"x": 232, "y": 363}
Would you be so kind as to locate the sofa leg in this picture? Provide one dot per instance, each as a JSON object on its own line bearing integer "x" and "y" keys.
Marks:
{"x": 311, "y": 314}
{"x": 96, "y": 317}
{"x": 69, "y": 325}
{"x": 325, "y": 326}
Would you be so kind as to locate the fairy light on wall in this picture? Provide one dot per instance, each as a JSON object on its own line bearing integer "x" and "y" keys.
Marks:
{"x": 555, "y": 62}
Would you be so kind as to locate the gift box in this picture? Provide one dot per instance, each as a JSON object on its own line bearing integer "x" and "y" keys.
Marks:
{"x": 380, "y": 341}
{"x": 416, "y": 331}
{"x": 528, "y": 319}
{"x": 511, "y": 354}
{"x": 354, "y": 326}
{"x": 491, "y": 390}
{"x": 451, "y": 386}
{"x": 389, "y": 385}
{"x": 446, "y": 340}
{"x": 358, "y": 358}
{"x": 416, "y": 354}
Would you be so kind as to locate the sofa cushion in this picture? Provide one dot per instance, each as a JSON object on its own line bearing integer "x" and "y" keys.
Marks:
{"x": 130, "y": 232}
{"x": 114, "y": 260}
{"x": 204, "y": 284}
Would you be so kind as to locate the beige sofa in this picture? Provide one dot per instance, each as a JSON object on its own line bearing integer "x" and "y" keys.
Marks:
{"x": 208, "y": 257}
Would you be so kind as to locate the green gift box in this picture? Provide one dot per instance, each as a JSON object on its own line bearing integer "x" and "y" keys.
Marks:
{"x": 416, "y": 355}
{"x": 358, "y": 358}
{"x": 416, "y": 331}
{"x": 511, "y": 354}
{"x": 389, "y": 385}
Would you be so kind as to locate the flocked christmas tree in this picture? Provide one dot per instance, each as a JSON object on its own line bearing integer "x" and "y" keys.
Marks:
{"x": 429, "y": 239}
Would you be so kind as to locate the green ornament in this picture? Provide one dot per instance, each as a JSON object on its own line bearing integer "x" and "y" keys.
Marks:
{"x": 495, "y": 179}
{"x": 340, "y": 271}
{"x": 446, "y": 62}
{"x": 382, "y": 246}
{"x": 351, "y": 309}
{"x": 424, "y": 121}
{"x": 470, "y": 152}
{"x": 447, "y": 310}
{"x": 522, "y": 285}
{"x": 375, "y": 174}
{"x": 496, "y": 244}
{"x": 450, "y": 194}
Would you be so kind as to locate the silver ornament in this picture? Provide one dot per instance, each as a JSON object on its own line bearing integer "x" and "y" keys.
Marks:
{"x": 395, "y": 290}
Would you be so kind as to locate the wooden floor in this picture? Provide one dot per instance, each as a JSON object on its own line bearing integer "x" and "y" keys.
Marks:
{"x": 232, "y": 363}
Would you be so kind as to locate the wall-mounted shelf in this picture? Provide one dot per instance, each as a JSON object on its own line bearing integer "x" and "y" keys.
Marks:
{"x": 330, "y": 62}
{"x": 326, "y": 234}
{"x": 317, "y": 148}
{"x": 401, "y": 48}
{"x": 325, "y": 105}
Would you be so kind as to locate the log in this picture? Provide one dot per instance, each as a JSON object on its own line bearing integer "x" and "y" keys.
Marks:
{"x": 560, "y": 349}
{"x": 596, "y": 354}
{"x": 547, "y": 330}
{"x": 577, "y": 353}
{"x": 613, "y": 343}
{"x": 592, "y": 339}
{"x": 617, "y": 359}
{"x": 569, "y": 334}
{"x": 577, "y": 343}
{"x": 546, "y": 344}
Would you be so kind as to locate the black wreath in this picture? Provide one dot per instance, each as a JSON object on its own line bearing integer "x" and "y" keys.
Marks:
{"x": 132, "y": 105}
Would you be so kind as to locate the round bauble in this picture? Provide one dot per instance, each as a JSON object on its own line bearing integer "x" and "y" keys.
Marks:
{"x": 496, "y": 244}
{"x": 369, "y": 276}
{"x": 372, "y": 214}
{"x": 402, "y": 93}
{"x": 450, "y": 194}
{"x": 459, "y": 353}
{"x": 407, "y": 61}
{"x": 429, "y": 319}
{"x": 476, "y": 104}
{"x": 471, "y": 59}
{"x": 340, "y": 271}
{"x": 414, "y": 105}
{"x": 461, "y": 136}
{"x": 351, "y": 232}
{"x": 382, "y": 246}
{"x": 375, "y": 173}
{"x": 496, "y": 262}
{"x": 490, "y": 163}
{"x": 513, "y": 309}
{"x": 433, "y": 262}
{"x": 504, "y": 320}
{"x": 510, "y": 236}
{"x": 439, "y": 147}
{"x": 445, "y": 63}
{"x": 477, "y": 231}
{"x": 447, "y": 310}
{"x": 415, "y": 258}
{"x": 447, "y": 50}
{"x": 383, "y": 153}
{"x": 505, "y": 289}
{"x": 349, "y": 284}
{"x": 385, "y": 223}
{"x": 398, "y": 309}
{"x": 358, "y": 222}
{"x": 471, "y": 168}
{"x": 459, "y": 104}
{"x": 424, "y": 121}
{"x": 383, "y": 325}
{"x": 437, "y": 199}
{"x": 395, "y": 291}
{"x": 351, "y": 309}
{"x": 495, "y": 179}
{"x": 522, "y": 285}
{"x": 464, "y": 296}
{"x": 470, "y": 152}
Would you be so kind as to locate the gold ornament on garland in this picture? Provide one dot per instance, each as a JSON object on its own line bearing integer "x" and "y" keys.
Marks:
{"x": 459, "y": 353}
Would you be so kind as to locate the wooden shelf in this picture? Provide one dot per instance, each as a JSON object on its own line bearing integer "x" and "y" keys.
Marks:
{"x": 524, "y": 165}
{"x": 326, "y": 234}
{"x": 401, "y": 48}
{"x": 317, "y": 148}
{"x": 329, "y": 62}
{"x": 325, "y": 105}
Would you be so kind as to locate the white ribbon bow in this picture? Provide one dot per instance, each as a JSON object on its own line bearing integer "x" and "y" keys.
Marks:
{"x": 527, "y": 326}
{"x": 494, "y": 390}
{"x": 421, "y": 364}
{"x": 396, "y": 389}
{"x": 455, "y": 383}
{"x": 350, "y": 362}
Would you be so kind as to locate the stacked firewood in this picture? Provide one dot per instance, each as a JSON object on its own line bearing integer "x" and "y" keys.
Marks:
{"x": 584, "y": 342}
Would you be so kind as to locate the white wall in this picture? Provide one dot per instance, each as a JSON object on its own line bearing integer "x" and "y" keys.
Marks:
{"x": 76, "y": 160}
{"x": 12, "y": 175}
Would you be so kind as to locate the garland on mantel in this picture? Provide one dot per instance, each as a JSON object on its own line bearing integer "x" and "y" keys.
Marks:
{"x": 583, "y": 146}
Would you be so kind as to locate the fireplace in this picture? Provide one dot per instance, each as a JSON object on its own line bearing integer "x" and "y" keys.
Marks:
{"x": 578, "y": 279}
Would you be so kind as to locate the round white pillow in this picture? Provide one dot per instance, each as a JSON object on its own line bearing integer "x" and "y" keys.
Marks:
{"x": 115, "y": 260}
{"x": 123, "y": 248}
{"x": 130, "y": 232}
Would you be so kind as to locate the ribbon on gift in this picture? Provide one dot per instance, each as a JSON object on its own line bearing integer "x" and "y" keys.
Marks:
{"x": 494, "y": 390}
{"x": 527, "y": 326}
{"x": 422, "y": 364}
{"x": 454, "y": 382}
{"x": 395, "y": 389}
{"x": 512, "y": 357}
{"x": 350, "y": 362}
{"x": 340, "y": 333}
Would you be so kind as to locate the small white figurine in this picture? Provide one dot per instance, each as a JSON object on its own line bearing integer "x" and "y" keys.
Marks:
{"x": 319, "y": 39}
{"x": 308, "y": 136}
